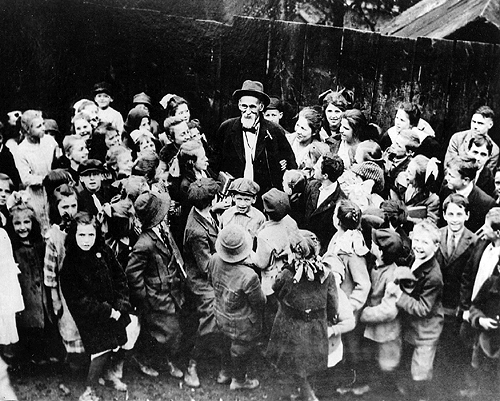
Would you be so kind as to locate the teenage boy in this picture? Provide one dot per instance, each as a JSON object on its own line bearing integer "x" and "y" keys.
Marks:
{"x": 456, "y": 246}
{"x": 460, "y": 175}
{"x": 244, "y": 192}
{"x": 481, "y": 123}
{"x": 103, "y": 98}
{"x": 480, "y": 148}
{"x": 321, "y": 195}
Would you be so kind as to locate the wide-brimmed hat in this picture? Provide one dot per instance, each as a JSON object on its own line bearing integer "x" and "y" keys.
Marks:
{"x": 252, "y": 88}
{"x": 233, "y": 244}
{"x": 151, "y": 208}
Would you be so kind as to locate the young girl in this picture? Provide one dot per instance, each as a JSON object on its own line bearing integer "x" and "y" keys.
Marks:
{"x": 334, "y": 104}
{"x": 176, "y": 106}
{"x": 95, "y": 287}
{"x": 352, "y": 130}
{"x": 63, "y": 206}
{"x": 28, "y": 247}
{"x": 308, "y": 299}
{"x": 349, "y": 245}
{"x": 306, "y": 132}
{"x": 81, "y": 126}
{"x": 11, "y": 299}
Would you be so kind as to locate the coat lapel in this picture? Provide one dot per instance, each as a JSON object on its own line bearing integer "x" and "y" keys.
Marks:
{"x": 159, "y": 243}
{"x": 329, "y": 202}
{"x": 261, "y": 138}
{"x": 463, "y": 244}
{"x": 211, "y": 229}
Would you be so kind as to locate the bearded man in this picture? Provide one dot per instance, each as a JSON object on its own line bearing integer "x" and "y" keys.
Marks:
{"x": 251, "y": 147}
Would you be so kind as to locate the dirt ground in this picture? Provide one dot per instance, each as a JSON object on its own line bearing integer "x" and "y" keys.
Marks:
{"x": 40, "y": 383}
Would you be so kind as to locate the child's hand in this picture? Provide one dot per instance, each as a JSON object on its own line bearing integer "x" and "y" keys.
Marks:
{"x": 488, "y": 324}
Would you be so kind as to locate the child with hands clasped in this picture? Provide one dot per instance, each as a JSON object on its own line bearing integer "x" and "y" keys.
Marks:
{"x": 422, "y": 310}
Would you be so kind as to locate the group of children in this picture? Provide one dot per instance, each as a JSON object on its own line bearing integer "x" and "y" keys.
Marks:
{"x": 121, "y": 244}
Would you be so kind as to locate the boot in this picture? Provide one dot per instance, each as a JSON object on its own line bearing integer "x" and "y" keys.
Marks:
{"x": 191, "y": 377}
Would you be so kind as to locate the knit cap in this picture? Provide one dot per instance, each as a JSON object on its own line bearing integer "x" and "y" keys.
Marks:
{"x": 371, "y": 171}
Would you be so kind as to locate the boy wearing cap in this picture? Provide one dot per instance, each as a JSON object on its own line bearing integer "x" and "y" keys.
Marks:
{"x": 103, "y": 98}
{"x": 93, "y": 197}
{"x": 143, "y": 101}
{"x": 239, "y": 302}
{"x": 244, "y": 193}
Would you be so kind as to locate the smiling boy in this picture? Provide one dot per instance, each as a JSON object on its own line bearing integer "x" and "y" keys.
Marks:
{"x": 103, "y": 98}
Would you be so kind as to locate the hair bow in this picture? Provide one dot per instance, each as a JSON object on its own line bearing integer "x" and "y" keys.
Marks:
{"x": 165, "y": 99}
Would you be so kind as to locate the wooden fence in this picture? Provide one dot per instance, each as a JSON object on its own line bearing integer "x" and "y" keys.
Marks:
{"x": 53, "y": 51}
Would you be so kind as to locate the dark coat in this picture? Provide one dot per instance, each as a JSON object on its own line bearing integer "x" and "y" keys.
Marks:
{"x": 199, "y": 246}
{"x": 469, "y": 274}
{"x": 486, "y": 181}
{"x": 8, "y": 166}
{"x": 452, "y": 266}
{"x": 480, "y": 203}
{"x": 239, "y": 300}
{"x": 299, "y": 346}
{"x": 423, "y": 316}
{"x": 272, "y": 146}
{"x": 93, "y": 283}
{"x": 319, "y": 220}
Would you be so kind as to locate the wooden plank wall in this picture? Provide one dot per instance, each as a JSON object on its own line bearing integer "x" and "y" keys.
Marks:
{"x": 53, "y": 55}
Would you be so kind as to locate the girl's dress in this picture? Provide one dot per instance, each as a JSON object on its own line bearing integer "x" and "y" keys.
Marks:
{"x": 11, "y": 299}
{"x": 299, "y": 339}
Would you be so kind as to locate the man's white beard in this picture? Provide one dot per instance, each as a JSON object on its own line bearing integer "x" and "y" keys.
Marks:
{"x": 249, "y": 122}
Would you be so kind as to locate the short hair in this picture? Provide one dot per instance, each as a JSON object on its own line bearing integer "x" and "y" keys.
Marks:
{"x": 69, "y": 142}
{"x": 349, "y": 214}
{"x": 456, "y": 199}
{"x": 480, "y": 140}
{"x": 466, "y": 166}
{"x": 171, "y": 122}
{"x": 494, "y": 216}
{"x": 113, "y": 154}
{"x": 395, "y": 212}
{"x": 313, "y": 118}
{"x": 104, "y": 128}
{"x": 6, "y": 178}
{"x": 372, "y": 152}
{"x": 357, "y": 121}
{"x": 431, "y": 229}
{"x": 83, "y": 105}
{"x": 412, "y": 138}
{"x": 54, "y": 178}
{"x": 188, "y": 154}
{"x": 27, "y": 118}
{"x": 412, "y": 110}
{"x": 333, "y": 166}
{"x": 486, "y": 112}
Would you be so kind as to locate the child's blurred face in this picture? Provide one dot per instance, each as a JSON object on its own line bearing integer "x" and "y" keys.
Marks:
{"x": 333, "y": 115}
{"x": 497, "y": 183}
{"x": 195, "y": 133}
{"x": 79, "y": 152}
{"x": 402, "y": 121}
{"x": 398, "y": 146}
{"x": 454, "y": 180}
{"x": 22, "y": 223}
{"x": 480, "y": 153}
{"x": 455, "y": 216}
{"x": 146, "y": 144}
{"x": 181, "y": 133}
{"x": 67, "y": 206}
{"x": 183, "y": 112}
{"x": 85, "y": 236}
{"x": 92, "y": 181}
{"x": 82, "y": 128}
{"x": 145, "y": 124}
{"x": 4, "y": 192}
{"x": 243, "y": 202}
{"x": 273, "y": 115}
{"x": 112, "y": 138}
{"x": 201, "y": 163}
{"x": 124, "y": 164}
{"x": 37, "y": 128}
{"x": 423, "y": 246}
{"x": 103, "y": 100}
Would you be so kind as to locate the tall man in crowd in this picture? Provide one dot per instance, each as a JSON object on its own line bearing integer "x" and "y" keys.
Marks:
{"x": 251, "y": 147}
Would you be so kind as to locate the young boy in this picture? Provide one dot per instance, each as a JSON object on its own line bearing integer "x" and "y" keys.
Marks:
{"x": 380, "y": 315}
{"x": 103, "y": 98}
{"x": 460, "y": 175}
{"x": 93, "y": 198}
{"x": 239, "y": 302}
{"x": 455, "y": 247}
{"x": 420, "y": 304}
{"x": 244, "y": 192}
{"x": 480, "y": 148}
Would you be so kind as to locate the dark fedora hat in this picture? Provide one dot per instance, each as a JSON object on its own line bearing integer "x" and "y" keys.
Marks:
{"x": 252, "y": 88}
